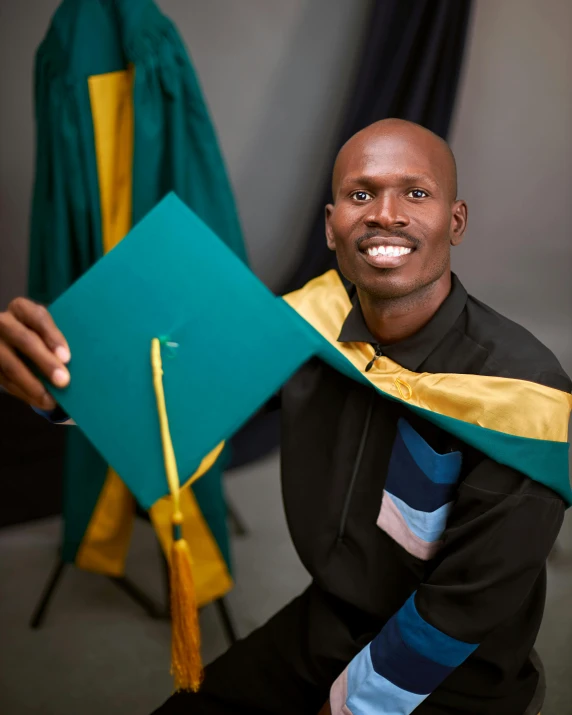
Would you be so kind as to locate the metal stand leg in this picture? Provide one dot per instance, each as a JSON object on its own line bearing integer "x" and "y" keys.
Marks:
{"x": 40, "y": 610}
{"x": 236, "y": 523}
{"x": 147, "y": 603}
{"x": 134, "y": 592}
{"x": 227, "y": 623}
{"x": 125, "y": 584}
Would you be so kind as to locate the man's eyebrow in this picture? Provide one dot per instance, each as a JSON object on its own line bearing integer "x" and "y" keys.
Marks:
{"x": 403, "y": 179}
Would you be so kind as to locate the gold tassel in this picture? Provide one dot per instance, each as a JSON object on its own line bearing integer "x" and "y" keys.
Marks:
{"x": 186, "y": 663}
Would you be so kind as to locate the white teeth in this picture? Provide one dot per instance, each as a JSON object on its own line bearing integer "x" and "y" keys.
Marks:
{"x": 388, "y": 251}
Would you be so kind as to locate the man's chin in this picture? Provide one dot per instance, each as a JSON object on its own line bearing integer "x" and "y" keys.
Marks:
{"x": 381, "y": 283}
{"x": 386, "y": 285}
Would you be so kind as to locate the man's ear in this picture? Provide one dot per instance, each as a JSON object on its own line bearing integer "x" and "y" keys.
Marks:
{"x": 330, "y": 240}
{"x": 458, "y": 222}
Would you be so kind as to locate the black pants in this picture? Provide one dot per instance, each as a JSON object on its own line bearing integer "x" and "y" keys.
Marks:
{"x": 287, "y": 666}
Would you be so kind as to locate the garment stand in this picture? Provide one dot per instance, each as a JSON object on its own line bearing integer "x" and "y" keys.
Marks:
{"x": 153, "y": 609}
{"x": 46, "y": 597}
{"x": 149, "y": 605}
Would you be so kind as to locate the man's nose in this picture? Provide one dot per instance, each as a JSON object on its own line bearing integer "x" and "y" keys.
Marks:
{"x": 386, "y": 212}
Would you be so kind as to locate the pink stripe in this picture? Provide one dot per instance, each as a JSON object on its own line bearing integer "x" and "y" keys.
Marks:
{"x": 392, "y": 522}
{"x": 339, "y": 695}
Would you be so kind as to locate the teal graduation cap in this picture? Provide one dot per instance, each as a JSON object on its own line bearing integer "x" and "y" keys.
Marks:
{"x": 228, "y": 345}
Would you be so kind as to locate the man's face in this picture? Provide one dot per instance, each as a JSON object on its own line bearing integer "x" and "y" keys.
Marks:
{"x": 395, "y": 215}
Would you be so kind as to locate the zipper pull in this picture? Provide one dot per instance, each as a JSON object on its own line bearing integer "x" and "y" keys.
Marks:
{"x": 378, "y": 354}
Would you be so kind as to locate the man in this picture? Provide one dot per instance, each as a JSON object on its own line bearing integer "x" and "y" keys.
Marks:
{"x": 427, "y": 557}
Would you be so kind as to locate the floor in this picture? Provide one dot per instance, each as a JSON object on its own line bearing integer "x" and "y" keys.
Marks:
{"x": 98, "y": 652}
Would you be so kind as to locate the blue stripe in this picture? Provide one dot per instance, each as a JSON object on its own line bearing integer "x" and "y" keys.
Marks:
{"x": 373, "y": 689}
{"x": 427, "y": 525}
{"x": 428, "y": 641}
{"x": 440, "y": 468}
{"x": 359, "y": 670}
{"x": 392, "y": 658}
{"x": 408, "y": 482}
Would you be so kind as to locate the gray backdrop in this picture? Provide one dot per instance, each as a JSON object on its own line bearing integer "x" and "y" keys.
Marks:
{"x": 513, "y": 141}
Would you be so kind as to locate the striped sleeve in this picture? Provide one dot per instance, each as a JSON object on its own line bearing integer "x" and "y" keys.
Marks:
{"x": 399, "y": 668}
{"x": 498, "y": 535}
{"x": 419, "y": 492}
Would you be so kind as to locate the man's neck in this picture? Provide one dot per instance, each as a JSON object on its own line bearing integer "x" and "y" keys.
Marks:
{"x": 391, "y": 320}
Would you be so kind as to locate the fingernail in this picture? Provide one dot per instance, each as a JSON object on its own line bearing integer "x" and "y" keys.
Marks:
{"x": 60, "y": 377}
{"x": 63, "y": 353}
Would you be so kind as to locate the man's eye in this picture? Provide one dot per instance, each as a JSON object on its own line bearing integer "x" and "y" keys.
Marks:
{"x": 418, "y": 194}
{"x": 360, "y": 196}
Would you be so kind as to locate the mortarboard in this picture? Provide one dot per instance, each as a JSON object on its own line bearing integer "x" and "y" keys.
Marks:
{"x": 229, "y": 345}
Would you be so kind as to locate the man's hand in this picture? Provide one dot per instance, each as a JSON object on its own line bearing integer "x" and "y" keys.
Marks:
{"x": 326, "y": 710}
{"x": 27, "y": 328}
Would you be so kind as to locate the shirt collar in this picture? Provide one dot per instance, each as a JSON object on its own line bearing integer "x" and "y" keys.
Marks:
{"x": 412, "y": 352}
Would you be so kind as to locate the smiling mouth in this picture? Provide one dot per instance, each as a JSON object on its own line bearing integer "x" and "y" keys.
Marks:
{"x": 387, "y": 255}
{"x": 388, "y": 251}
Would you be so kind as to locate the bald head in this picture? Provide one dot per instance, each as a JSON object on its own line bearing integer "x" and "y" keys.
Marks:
{"x": 386, "y": 136}
{"x": 395, "y": 188}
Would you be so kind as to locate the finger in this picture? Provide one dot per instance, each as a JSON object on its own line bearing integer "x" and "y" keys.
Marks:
{"x": 14, "y": 375}
{"x": 38, "y": 318}
{"x": 16, "y": 335}
{"x": 47, "y": 404}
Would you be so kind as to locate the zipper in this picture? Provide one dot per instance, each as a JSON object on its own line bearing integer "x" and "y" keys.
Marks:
{"x": 357, "y": 464}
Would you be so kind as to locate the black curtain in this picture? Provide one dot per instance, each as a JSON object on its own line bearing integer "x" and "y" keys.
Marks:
{"x": 410, "y": 67}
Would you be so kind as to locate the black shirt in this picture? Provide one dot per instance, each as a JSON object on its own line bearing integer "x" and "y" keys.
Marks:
{"x": 485, "y": 582}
